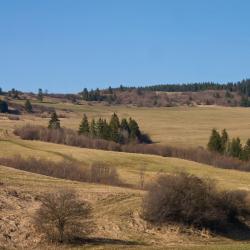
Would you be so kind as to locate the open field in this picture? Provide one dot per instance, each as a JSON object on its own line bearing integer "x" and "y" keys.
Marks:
{"x": 181, "y": 126}
{"x": 127, "y": 164}
{"x": 116, "y": 210}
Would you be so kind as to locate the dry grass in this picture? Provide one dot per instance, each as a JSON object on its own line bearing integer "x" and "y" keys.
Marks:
{"x": 127, "y": 164}
{"x": 182, "y": 126}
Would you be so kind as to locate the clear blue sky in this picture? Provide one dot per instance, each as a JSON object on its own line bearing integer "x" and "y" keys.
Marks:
{"x": 64, "y": 46}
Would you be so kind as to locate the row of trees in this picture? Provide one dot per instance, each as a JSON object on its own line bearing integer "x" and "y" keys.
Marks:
{"x": 123, "y": 131}
{"x": 222, "y": 144}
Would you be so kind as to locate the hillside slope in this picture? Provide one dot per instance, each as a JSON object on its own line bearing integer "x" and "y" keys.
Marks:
{"x": 116, "y": 215}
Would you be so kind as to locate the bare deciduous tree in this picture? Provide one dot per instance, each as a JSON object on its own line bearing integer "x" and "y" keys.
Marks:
{"x": 63, "y": 217}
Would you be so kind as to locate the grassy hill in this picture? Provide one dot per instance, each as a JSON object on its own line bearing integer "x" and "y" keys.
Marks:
{"x": 180, "y": 126}
{"x": 128, "y": 165}
{"x": 116, "y": 209}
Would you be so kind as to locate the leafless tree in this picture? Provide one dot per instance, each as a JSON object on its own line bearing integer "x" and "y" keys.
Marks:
{"x": 62, "y": 217}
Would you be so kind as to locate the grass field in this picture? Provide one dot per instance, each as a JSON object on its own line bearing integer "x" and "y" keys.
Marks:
{"x": 182, "y": 126}
{"x": 116, "y": 210}
{"x": 128, "y": 164}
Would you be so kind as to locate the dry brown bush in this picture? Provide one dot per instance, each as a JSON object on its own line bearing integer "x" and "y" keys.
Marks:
{"x": 189, "y": 200}
{"x": 63, "y": 217}
{"x": 68, "y": 169}
{"x": 72, "y": 138}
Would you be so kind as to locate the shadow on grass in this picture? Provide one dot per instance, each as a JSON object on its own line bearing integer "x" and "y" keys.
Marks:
{"x": 236, "y": 231}
{"x": 103, "y": 241}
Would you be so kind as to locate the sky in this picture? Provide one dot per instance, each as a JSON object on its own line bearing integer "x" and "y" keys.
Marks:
{"x": 67, "y": 45}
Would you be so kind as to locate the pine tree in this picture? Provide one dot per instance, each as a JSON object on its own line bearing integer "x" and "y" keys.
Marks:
{"x": 106, "y": 130}
{"x": 125, "y": 131}
{"x": 85, "y": 94}
{"x": 84, "y": 126}
{"x": 114, "y": 128}
{"x": 92, "y": 129}
{"x": 28, "y": 106}
{"x": 214, "y": 143}
{"x": 40, "y": 95}
{"x": 3, "y": 106}
{"x": 124, "y": 125}
{"x": 54, "y": 122}
{"x": 135, "y": 132}
{"x": 235, "y": 149}
{"x": 224, "y": 140}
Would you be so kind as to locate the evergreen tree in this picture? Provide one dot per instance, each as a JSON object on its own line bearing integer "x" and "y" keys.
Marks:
{"x": 125, "y": 131}
{"x": 28, "y": 106}
{"x": 54, "y": 122}
{"x": 85, "y": 94}
{"x": 114, "y": 128}
{"x": 246, "y": 151}
{"x": 106, "y": 130}
{"x": 215, "y": 143}
{"x": 3, "y": 106}
{"x": 40, "y": 95}
{"x": 235, "y": 149}
{"x": 135, "y": 132}
{"x": 84, "y": 126}
{"x": 92, "y": 129}
{"x": 124, "y": 125}
{"x": 224, "y": 140}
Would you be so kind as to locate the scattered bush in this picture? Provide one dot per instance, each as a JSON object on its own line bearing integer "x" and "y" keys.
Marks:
{"x": 72, "y": 138}
{"x": 103, "y": 173}
{"x": 192, "y": 201}
{"x": 62, "y": 217}
{"x": 98, "y": 172}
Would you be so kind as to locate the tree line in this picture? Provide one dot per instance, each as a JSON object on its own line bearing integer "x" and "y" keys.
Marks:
{"x": 222, "y": 144}
{"x": 120, "y": 131}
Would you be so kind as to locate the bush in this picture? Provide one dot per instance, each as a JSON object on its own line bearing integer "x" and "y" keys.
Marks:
{"x": 192, "y": 201}
{"x": 62, "y": 217}
{"x": 72, "y": 138}
{"x": 70, "y": 170}
{"x": 102, "y": 173}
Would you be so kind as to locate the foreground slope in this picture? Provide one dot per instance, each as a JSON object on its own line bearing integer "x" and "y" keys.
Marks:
{"x": 115, "y": 211}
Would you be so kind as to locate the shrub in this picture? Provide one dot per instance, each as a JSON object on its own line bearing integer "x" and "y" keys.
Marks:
{"x": 192, "y": 201}
{"x": 103, "y": 173}
{"x": 62, "y": 217}
{"x": 98, "y": 172}
{"x": 72, "y": 138}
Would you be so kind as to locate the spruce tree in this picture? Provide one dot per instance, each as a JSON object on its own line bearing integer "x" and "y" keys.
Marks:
{"x": 92, "y": 129}
{"x": 84, "y": 126}
{"x": 40, "y": 95}
{"x": 3, "y": 106}
{"x": 214, "y": 143}
{"x": 135, "y": 132}
{"x": 235, "y": 149}
{"x": 28, "y": 106}
{"x": 114, "y": 128}
{"x": 125, "y": 131}
{"x": 106, "y": 130}
{"x": 224, "y": 140}
{"x": 54, "y": 122}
